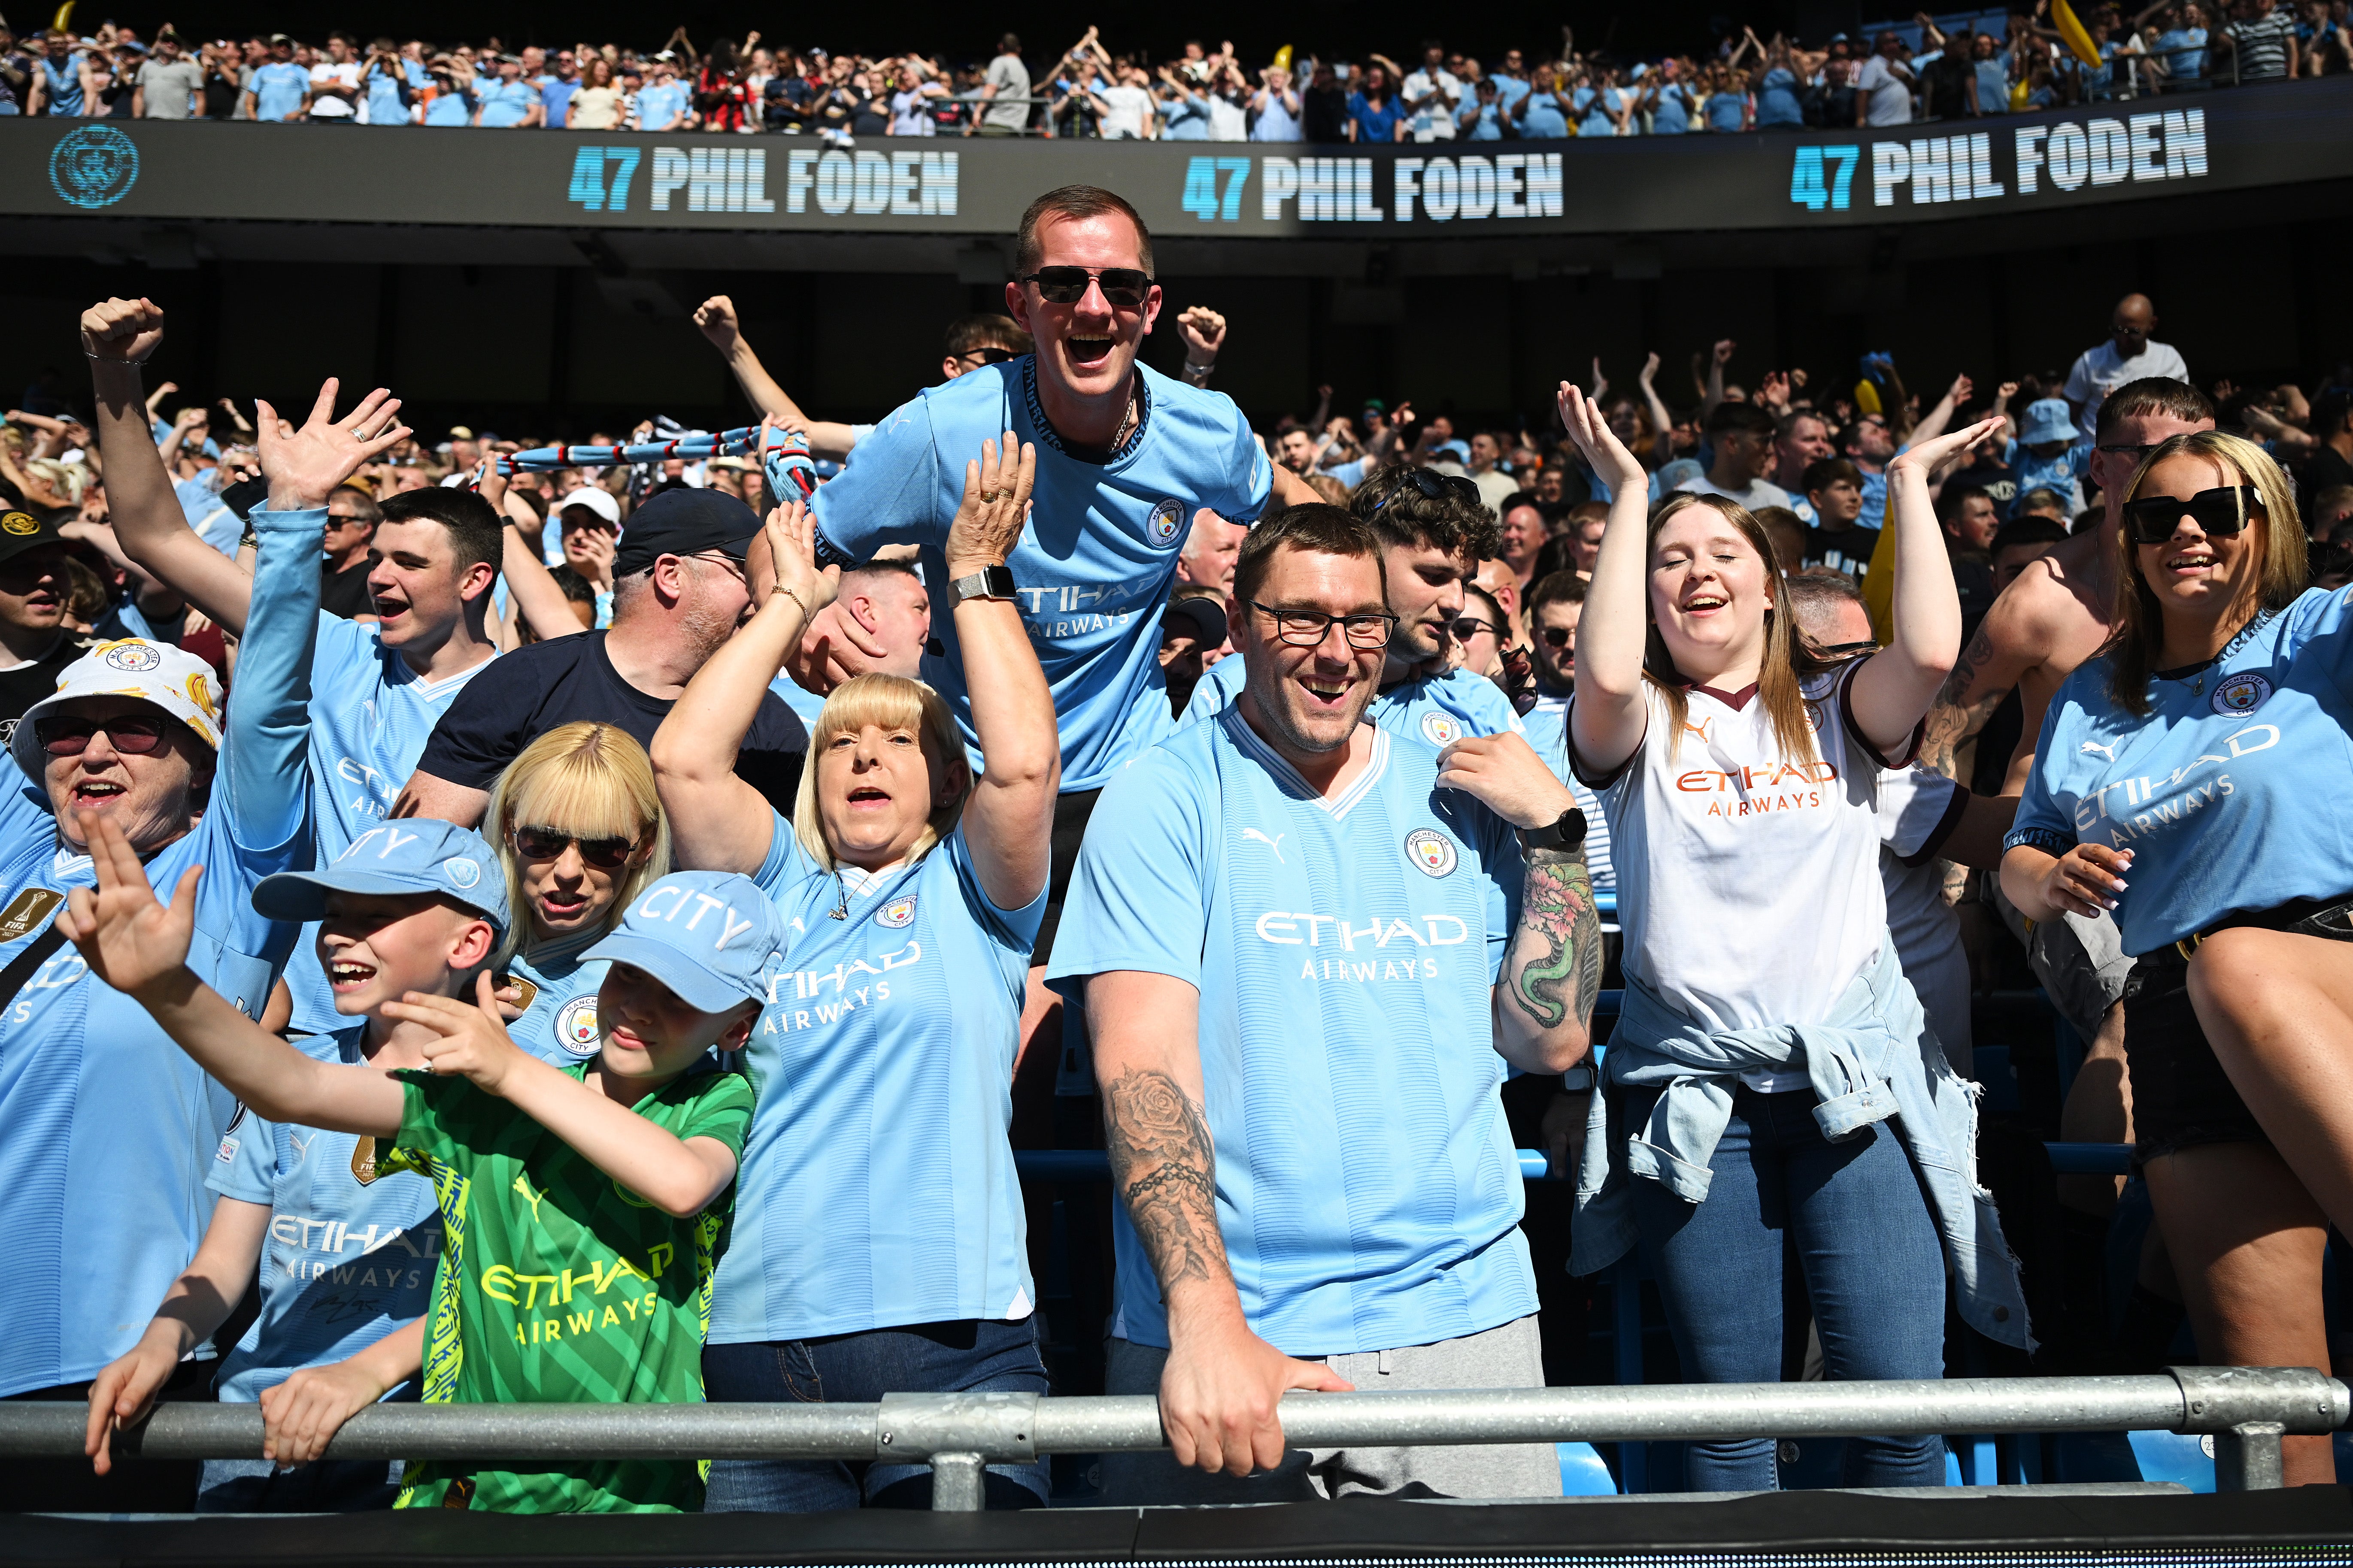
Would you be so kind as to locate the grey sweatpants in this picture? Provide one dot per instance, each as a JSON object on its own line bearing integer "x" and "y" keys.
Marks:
{"x": 1509, "y": 1356}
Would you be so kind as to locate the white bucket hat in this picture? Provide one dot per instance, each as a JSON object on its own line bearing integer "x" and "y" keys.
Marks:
{"x": 178, "y": 682}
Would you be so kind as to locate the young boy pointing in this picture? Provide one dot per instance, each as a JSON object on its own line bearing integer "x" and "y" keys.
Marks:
{"x": 584, "y": 1208}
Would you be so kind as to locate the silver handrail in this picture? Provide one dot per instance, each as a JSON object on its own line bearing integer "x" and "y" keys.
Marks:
{"x": 2247, "y": 1410}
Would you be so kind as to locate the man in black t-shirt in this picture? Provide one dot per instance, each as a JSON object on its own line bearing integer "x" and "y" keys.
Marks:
{"x": 345, "y": 560}
{"x": 679, "y": 592}
{"x": 36, "y": 644}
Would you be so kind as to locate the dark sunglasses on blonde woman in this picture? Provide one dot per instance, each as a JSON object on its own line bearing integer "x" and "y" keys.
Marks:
{"x": 547, "y": 844}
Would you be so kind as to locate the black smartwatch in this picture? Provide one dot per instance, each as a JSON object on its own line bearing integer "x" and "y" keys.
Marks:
{"x": 1577, "y": 1080}
{"x": 1569, "y": 833}
{"x": 992, "y": 582}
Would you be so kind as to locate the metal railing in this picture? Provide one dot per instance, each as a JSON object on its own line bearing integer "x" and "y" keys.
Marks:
{"x": 2247, "y": 1410}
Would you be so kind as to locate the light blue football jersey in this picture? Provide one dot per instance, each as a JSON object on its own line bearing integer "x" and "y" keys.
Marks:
{"x": 559, "y": 1024}
{"x": 370, "y": 718}
{"x": 2230, "y": 794}
{"x": 1095, "y": 559}
{"x": 351, "y": 1251}
{"x": 878, "y": 1186}
{"x": 1344, "y": 950}
{"x": 108, "y": 1128}
{"x": 800, "y": 700}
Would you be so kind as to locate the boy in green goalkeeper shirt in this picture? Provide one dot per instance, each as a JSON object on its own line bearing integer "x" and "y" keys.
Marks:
{"x": 583, "y": 1208}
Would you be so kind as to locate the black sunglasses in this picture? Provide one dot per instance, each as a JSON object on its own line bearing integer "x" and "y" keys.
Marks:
{"x": 1465, "y": 627}
{"x": 1436, "y": 486}
{"x": 1556, "y": 637}
{"x": 547, "y": 844}
{"x": 2221, "y": 510}
{"x": 988, "y": 355}
{"x": 1124, "y": 288}
{"x": 70, "y": 737}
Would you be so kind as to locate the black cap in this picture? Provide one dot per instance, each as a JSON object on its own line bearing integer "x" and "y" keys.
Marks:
{"x": 684, "y": 523}
{"x": 1200, "y": 615}
{"x": 21, "y": 531}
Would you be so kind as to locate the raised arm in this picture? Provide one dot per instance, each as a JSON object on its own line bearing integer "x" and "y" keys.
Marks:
{"x": 532, "y": 592}
{"x": 1221, "y": 1384}
{"x": 717, "y": 822}
{"x": 119, "y": 335}
{"x": 1938, "y": 419}
{"x": 1896, "y": 685}
{"x": 140, "y": 946}
{"x": 1009, "y": 819}
{"x": 1608, "y": 716}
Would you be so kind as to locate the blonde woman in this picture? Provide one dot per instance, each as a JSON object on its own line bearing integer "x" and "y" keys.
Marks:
{"x": 580, "y": 833}
{"x": 1772, "y": 1079}
{"x": 878, "y": 1243}
{"x": 2190, "y": 781}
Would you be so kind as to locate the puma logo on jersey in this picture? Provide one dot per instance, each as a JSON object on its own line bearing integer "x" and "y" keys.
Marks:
{"x": 2107, "y": 752}
{"x": 523, "y": 1188}
{"x": 1274, "y": 843}
{"x": 1700, "y": 729}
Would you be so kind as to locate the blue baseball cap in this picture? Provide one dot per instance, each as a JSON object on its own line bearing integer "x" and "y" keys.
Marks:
{"x": 413, "y": 855}
{"x": 707, "y": 935}
{"x": 2047, "y": 420}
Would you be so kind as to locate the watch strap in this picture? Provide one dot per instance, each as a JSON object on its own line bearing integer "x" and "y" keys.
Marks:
{"x": 994, "y": 583}
{"x": 1577, "y": 1080}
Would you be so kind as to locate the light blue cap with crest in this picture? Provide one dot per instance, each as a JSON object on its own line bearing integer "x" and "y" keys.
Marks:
{"x": 412, "y": 855}
{"x": 709, "y": 936}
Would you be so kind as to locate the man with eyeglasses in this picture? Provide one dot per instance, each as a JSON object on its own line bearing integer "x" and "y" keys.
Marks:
{"x": 973, "y": 343}
{"x": 1307, "y": 951}
{"x": 108, "y": 1128}
{"x": 2127, "y": 355}
{"x": 1982, "y": 732}
{"x": 679, "y": 592}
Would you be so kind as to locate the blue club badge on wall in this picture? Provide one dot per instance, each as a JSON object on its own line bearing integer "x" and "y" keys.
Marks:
{"x": 94, "y": 167}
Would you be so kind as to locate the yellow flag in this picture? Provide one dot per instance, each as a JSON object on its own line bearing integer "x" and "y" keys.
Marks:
{"x": 1879, "y": 581}
{"x": 2070, "y": 33}
{"x": 1866, "y": 396}
{"x": 65, "y": 16}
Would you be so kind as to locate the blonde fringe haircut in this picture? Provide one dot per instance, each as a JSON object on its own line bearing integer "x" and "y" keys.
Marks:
{"x": 887, "y": 702}
{"x": 2139, "y": 637}
{"x": 1787, "y": 664}
{"x": 590, "y": 780}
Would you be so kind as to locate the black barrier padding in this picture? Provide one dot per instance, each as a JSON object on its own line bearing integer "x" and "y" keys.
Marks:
{"x": 1833, "y": 1523}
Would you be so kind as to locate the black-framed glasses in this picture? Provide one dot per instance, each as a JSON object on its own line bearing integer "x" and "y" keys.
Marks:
{"x": 2221, "y": 511}
{"x": 990, "y": 355}
{"x": 549, "y": 844}
{"x": 1556, "y": 637}
{"x": 1433, "y": 487}
{"x": 1308, "y": 628}
{"x": 1465, "y": 627}
{"x": 65, "y": 736}
{"x": 1124, "y": 288}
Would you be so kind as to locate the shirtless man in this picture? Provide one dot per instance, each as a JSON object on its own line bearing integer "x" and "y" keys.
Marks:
{"x": 2057, "y": 615}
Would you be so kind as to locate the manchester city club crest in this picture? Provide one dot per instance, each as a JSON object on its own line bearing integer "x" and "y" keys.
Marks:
{"x": 133, "y": 657}
{"x": 2241, "y": 694}
{"x": 897, "y": 912}
{"x": 94, "y": 167}
{"x": 1441, "y": 729}
{"x": 462, "y": 870}
{"x": 575, "y": 1025}
{"x": 1166, "y": 521}
{"x": 20, "y": 524}
{"x": 1431, "y": 850}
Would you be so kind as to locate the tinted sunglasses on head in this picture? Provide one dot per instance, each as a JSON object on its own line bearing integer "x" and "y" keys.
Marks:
{"x": 1124, "y": 288}
{"x": 2221, "y": 510}
{"x": 64, "y": 737}
{"x": 547, "y": 844}
{"x": 1436, "y": 486}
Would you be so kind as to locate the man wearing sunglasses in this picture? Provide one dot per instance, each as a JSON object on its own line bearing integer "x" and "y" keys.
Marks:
{"x": 973, "y": 343}
{"x": 1126, "y": 458}
{"x": 108, "y": 1128}
{"x": 2127, "y": 355}
{"x": 34, "y": 638}
{"x": 2058, "y": 613}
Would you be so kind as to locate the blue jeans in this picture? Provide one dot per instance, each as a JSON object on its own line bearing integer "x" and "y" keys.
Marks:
{"x": 1874, "y": 1266}
{"x": 972, "y": 1356}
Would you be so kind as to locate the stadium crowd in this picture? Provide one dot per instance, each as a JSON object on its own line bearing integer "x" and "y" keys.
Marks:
{"x": 2038, "y": 57}
{"x": 571, "y": 934}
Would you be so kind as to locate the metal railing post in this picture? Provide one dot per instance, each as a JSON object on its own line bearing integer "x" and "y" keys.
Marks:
{"x": 2247, "y": 1457}
{"x": 959, "y": 1482}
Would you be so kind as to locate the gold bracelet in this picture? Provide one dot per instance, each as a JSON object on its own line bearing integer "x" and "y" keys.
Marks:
{"x": 786, "y": 592}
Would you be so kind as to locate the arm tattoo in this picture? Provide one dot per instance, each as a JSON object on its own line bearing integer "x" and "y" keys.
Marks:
{"x": 1165, "y": 1169}
{"x": 1953, "y": 721}
{"x": 1555, "y": 964}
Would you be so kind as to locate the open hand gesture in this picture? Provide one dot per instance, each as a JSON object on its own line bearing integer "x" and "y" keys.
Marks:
{"x": 1933, "y": 457}
{"x": 1595, "y": 441}
{"x": 473, "y": 1036}
{"x": 791, "y": 534}
{"x": 130, "y": 939}
{"x": 122, "y": 331}
{"x": 304, "y": 467}
{"x": 996, "y": 504}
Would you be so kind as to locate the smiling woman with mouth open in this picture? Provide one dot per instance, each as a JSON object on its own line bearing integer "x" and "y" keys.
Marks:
{"x": 2205, "y": 756}
{"x": 1772, "y": 1078}
{"x": 580, "y": 833}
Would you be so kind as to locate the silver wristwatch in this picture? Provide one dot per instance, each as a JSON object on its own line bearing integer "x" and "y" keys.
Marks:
{"x": 994, "y": 583}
